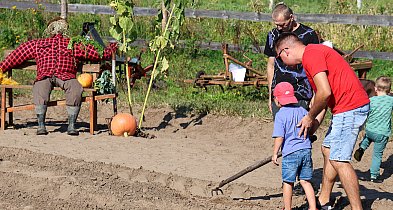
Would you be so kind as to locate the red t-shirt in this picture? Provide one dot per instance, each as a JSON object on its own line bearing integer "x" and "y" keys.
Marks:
{"x": 347, "y": 91}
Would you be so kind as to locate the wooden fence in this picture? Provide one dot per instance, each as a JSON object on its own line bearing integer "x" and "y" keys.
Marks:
{"x": 354, "y": 19}
{"x": 376, "y": 20}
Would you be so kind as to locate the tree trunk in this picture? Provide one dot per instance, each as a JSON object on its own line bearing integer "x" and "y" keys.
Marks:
{"x": 64, "y": 9}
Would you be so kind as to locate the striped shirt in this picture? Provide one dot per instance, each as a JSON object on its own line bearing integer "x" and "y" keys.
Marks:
{"x": 53, "y": 58}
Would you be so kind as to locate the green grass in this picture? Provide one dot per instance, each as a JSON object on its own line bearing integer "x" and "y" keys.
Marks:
{"x": 18, "y": 26}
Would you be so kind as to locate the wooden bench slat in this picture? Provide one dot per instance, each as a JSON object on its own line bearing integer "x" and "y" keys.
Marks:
{"x": 32, "y": 106}
{"x": 31, "y": 87}
{"x": 57, "y": 103}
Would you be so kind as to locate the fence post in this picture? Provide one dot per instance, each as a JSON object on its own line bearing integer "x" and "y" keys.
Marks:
{"x": 359, "y": 4}
{"x": 64, "y": 9}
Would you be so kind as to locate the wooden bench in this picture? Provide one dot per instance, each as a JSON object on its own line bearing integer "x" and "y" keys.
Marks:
{"x": 362, "y": 67}
{"x": 91, "y": 98}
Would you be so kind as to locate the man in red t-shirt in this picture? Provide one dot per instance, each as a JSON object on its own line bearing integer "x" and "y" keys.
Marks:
{"x": 336, "y": 86}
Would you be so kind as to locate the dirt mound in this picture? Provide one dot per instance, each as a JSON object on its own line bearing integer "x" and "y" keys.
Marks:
{"x": 176, "y": 170}
{"x": 41, "y": 181}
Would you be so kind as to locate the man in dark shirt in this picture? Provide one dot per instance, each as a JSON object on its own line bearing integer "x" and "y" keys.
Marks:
{"x": 56, "y": 66}
{"x": 277, "y": 71}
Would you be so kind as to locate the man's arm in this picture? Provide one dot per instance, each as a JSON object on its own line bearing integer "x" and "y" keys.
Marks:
{"x": 270, "y": 74}
{"x": 320, "y": 102}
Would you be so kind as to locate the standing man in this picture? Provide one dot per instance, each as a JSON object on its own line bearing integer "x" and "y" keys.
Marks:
{"x": 336, "y": 86}
{"x": 277, "y": 71}
{"x": 56, "y": 66}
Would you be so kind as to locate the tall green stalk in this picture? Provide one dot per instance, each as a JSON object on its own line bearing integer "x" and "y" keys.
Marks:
{"x": 127, "y": 76}
{"x": 122, "y": 30}
{"x": 155, "y": 68}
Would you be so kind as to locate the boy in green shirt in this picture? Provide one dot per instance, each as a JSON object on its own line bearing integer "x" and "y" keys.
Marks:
{"x": 378, "y": 126}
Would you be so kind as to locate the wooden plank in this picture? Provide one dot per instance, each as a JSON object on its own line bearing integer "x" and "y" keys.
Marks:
{"x": 361, "y": 65}
{"x": 17, "y": 86}
{"x": 3, "y": 109}
{"x": 91, "y": 68}
{"x": 102, "y": 97}
{"x": 32, "y": 106}
{"x": 53, "y": 103}
{"x": 93, "y": 113}
{"x": 228, "y": 82}
{"x": 31, "y": 87}
{"x": 239, "y": 48}
{"x": 352, "y": 19}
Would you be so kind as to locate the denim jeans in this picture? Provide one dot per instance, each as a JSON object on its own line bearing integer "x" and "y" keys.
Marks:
{"x": 343, "y": 133}
{"x": 380, "y": 142}
{"x": 298, "y": 163}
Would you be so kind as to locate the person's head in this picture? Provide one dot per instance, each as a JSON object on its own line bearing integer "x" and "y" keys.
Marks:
{"x": 289, "y": 48}
{"x": 57, "y": 26}
{"x": 283, "y": 17}
{"x": 284, "y": 94}
{"x": 382, "y": 85}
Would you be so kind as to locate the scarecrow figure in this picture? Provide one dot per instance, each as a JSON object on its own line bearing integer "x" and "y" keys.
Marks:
{"x": 56, "y": 67}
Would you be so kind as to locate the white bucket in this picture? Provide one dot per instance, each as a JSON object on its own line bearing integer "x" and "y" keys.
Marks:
{"x": 238, "y": 72}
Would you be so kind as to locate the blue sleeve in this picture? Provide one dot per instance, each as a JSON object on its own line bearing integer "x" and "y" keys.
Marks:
{"x": 269, "y": 45}
{"x": 279, "y": 126}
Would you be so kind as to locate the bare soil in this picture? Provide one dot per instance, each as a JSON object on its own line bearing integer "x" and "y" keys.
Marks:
{"x": 190, "y": 155}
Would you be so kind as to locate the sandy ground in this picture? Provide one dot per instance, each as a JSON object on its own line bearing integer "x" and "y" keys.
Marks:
{"x": 190, "y": 155}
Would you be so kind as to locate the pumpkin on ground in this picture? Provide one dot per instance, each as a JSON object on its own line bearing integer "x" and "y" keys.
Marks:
{"x": 85, "y": 79}
{"x": 123, "y": 124}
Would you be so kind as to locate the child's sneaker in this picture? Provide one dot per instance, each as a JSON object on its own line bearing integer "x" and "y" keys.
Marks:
{"x": 377, "y": 179}
{"x": 358, "y": 154}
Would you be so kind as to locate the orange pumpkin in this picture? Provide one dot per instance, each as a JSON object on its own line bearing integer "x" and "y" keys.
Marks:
{"x": 85, "y": 79}
{"x": 123, "y": 124}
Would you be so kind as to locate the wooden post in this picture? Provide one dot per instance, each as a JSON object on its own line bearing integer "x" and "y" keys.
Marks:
{"x": 3, "y": 108}
{"x": 271, "y": 4}
{"x": 164, "y": 16}
{"x": 226, "y": 62}
{"x": 64, "y": 9}
{"x": 359, "y": 4}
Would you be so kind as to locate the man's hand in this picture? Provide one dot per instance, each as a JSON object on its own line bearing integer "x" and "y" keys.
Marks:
{"x": 269, "y": 103}
{"x": 305, "y": 125}
{"x": 274, "y": 159}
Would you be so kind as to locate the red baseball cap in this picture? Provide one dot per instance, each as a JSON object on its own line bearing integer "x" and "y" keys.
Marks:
{"x": 284, "y": 93}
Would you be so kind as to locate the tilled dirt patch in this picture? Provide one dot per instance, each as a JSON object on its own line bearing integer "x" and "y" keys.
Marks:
{"x": 32, "y": 180}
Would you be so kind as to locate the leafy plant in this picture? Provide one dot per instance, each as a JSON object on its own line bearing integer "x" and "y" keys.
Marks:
{"x": 122, "y": 30}
{"x": 84, "y": 41}
{"x": 7, "y": 38}
{"x": 103, "y": 84}
{"x": 170, "y": 32}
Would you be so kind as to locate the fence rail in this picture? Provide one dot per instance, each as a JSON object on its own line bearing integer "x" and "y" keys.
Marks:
{"x": 354, "y": 19}
{"x": 377, "y": 20}
{"x": 231, "y": 47}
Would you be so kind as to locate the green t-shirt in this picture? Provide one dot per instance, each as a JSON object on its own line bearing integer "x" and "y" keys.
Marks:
{"x": 379, "y": 118}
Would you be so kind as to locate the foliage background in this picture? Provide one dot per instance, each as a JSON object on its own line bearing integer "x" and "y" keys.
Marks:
{"x": 17, "y": 26}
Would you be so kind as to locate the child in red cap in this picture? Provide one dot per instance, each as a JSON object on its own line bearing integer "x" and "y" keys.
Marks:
{"x": 296, "y": 150}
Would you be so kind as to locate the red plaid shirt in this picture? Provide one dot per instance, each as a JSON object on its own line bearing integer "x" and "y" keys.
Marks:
{"x": 53, "y": 58}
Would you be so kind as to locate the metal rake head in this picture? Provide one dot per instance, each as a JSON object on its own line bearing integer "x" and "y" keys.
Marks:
{"x": 217, "y": 191}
